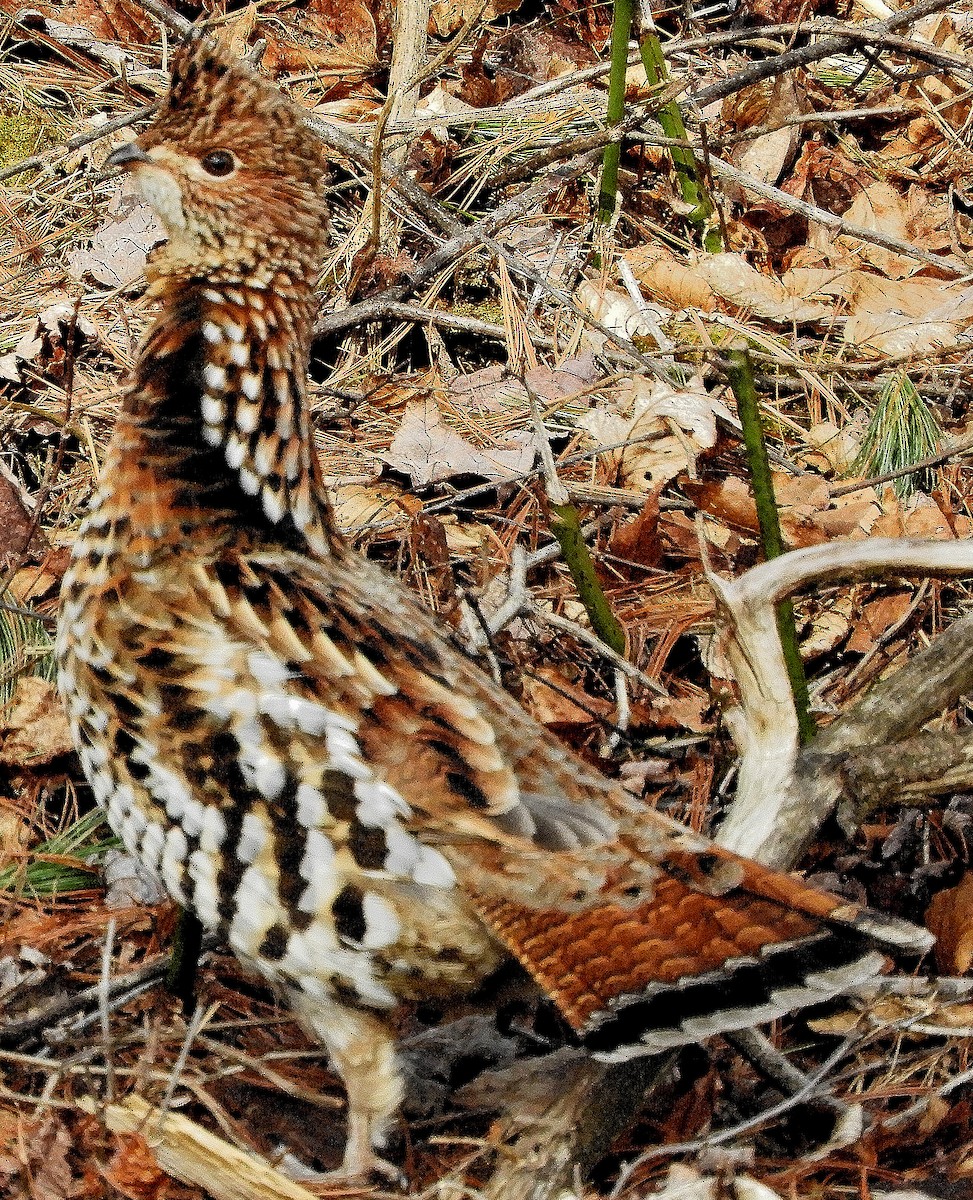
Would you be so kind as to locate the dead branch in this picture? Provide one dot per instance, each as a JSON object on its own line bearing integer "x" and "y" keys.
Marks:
{"x": 932, "y": 764}
{"x": 773, "y": 817}
{"x": 565, "y": 1120}
{"x": 814, "y": 51}
{"x": 836, "y": 225}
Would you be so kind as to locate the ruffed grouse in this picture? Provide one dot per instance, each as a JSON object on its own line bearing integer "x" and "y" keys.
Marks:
{"x": 278, "y": 729}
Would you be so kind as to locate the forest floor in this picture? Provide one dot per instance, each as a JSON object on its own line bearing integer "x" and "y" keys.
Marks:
{"x": 498, "y": 318}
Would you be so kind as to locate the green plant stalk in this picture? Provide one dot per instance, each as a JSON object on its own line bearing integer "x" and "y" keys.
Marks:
{"x": 622, "y": 15}
{"x": 566, "y": 527}
{"x": 50, "y": 871}
{"x": 748, "y": 409}
{"x": 683, "y": 159}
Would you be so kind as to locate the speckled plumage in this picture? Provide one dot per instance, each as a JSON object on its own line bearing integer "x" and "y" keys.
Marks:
{"x": 281, "y": 732}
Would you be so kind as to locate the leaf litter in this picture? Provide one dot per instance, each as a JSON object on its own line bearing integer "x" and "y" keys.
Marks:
{"x": 427, "y": 438}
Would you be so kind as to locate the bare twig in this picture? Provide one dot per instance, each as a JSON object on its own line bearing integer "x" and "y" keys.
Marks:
{"x": 837, "y": 225}
{"x": 813, "y": 51}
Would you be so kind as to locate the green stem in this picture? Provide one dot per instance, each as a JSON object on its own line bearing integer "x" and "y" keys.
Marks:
{"x": 566, "y": 527}
{"x": 621, "y": 32}
{"x": 683, "y": 159}
{"x": 748, "y": 409}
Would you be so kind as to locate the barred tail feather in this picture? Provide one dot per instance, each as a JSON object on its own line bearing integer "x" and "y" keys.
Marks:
{"x": 715, "y": 944}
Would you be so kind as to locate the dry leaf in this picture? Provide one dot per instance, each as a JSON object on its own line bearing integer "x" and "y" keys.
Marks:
{"x": 134, "y": 1170}
{"x": 120, "y": 248}
{"x": 428, "y": 451}
{"x": 16, "y": 526}
{"x": 62, "y": 314}
{"x": 494, "y": 390}
{"x": 239, "y": 28}
{"x": 467, "y": 538}
{"x": 551, "y": 703}
{"x": 950, "y": 918}
{"x": 638, "y": 541}
{"x": 924, "y": 519}
{"x": 649, "y": 409}
{"x": 875, "y": 619}
{"x": 881, "y": 209}
{"x": 908, "y": 316}
{"x": 33, "y": 727}
{"x": 26, "y": 350}
{"x": 729, "y": 500}
{"x": 31, "y": 583}
{"x": 673, "y": 282}
{"x": 732, "y": 277}
{"x": 853, "y": 515}
{"x": 765, "y": 157}
{"x": 836, "y": 449}
{"x": 44, "y": 1172}
{"x": 618, "y": 312}
{"x": 382, "y": 508}
{"x": 683, "y": 712}
{"x": 331, "y": 37}
{"x": 954, "y": 1016}
{"x": 116, "y": 21}
{"x": 447, "y": 16}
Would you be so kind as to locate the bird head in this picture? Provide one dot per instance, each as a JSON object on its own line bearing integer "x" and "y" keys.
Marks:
{"x": 231, "y": 169}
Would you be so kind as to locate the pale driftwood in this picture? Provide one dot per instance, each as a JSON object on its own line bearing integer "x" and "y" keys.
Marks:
{"x": 195, "y": 1156}
{"x": 778, "y": 806}
{"x": 783, "y": 796}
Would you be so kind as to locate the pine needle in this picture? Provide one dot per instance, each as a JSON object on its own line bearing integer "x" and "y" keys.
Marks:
{"x": 902, "y": 431}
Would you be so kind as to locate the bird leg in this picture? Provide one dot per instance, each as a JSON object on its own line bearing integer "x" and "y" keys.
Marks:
{"x": 362, "y": 1051}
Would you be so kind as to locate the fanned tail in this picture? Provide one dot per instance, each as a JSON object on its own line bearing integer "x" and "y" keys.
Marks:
{"x": 715, "y": 943}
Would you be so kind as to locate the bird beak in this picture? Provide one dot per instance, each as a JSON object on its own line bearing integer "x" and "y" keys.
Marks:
{"x": 129, "y": 155}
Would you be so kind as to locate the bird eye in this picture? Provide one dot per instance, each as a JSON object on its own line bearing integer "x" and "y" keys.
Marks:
{"x": 219, "y": 163}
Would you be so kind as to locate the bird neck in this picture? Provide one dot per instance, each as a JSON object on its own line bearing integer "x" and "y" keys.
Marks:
{"x": 218, "y": 408}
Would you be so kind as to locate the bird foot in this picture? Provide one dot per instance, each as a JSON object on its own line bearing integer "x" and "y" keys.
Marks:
{"x": 356, "y": 1172}
{"x": 360, "y": 1173}
{"x": 360, "y": 1167}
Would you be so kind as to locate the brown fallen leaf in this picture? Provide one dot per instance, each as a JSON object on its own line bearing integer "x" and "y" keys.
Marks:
{"x": 668, "y": 280}
{"x": 33, "y": 728}
{"x": 881, "y": 209}
{"x": 875, "y": 618}
{"x": 765, "y": 157}
{"x": 135, "y": 1171}
{"x": 116, "y": 21}
{"x": 16, "y": 529}
{"x": 550, "y": 699}
{"x": 428, "y": 451}
{"x": 733, "y": 279}
{"x": 950, "y": 918}
{"x": 447, "y": 16}
{"x": 829, "y": 627}
{"x": 382, "y": 509}
{"x": 332, "y": 37}
{"x": 638, "y": 541}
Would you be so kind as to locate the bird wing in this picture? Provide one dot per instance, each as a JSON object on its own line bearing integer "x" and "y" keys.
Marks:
{"x": 418, "y": 769}
{"x": 369, "y": 690}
